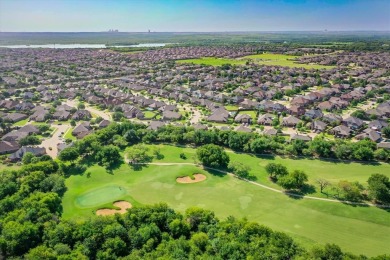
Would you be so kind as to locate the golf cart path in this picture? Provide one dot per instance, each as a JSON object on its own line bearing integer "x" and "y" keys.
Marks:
{"x": 273, "y": 189}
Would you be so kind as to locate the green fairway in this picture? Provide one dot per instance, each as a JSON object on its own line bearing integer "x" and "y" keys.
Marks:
{"x": 358, "y": 229}
{"x": 264, "y": 59}
{"x": 100, "y": 196}
{"x": 213, "y": 61}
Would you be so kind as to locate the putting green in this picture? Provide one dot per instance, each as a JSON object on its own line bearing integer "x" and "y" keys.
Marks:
{"x": 99, "y": 196}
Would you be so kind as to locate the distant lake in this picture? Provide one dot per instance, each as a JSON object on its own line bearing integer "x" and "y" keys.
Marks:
{"x": 78, "y": 46}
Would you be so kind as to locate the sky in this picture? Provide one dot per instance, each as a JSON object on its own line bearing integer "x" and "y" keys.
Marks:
{"x": 193, "y": 15}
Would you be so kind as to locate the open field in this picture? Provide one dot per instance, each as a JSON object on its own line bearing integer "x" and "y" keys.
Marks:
{"x": 355, "y": 228}
{"x": 265, "y": 59}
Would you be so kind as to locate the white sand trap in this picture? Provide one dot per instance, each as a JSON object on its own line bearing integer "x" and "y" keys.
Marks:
{"x": 198, "y": 177}
{"x": 123, "y": 205}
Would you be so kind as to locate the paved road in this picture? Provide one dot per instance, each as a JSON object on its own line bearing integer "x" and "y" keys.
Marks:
{"x": 54, "y": 140}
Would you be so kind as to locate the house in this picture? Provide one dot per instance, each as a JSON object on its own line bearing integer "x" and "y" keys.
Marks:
{"x": 326, "y": 105}
{"x": 314, "y": 113}
{"x": 18, "y": 155}
{"x": 377, "y": 124}
{"x": 62, "y": 146}
{"x": 243, "y": 129}
{"x": 14, "y": 136}
{"x": 220, "y": 115}
{"x": 61, "y": 115}
{"x": 353, "y": 122}
{"x": 304, "y": 138}
{"x": 82, "y": 114}
{"x": 249, "y": 104}
{"x": 104, "y": 123}
{"x": 82, "y": 130}
{"x": 8, "y": 147}
{"x": 270, "y": 131}
{"x": 266, "y": 119}
{"x": 370, "y": 134}
{"x": 318, "y": 126}
{"x": 290, "y": 121}
{"x": 332, "y": 118}
{"x": 243, "y": 118}
{"x": 384, "y": 145}
{"x": 171, "y": 115}
{"x": 15, "y": 117}
{"x": 39, "y": 116}
{"x": 29, "y": 129}
{"x": 296, "y": 110}
{"x": 154, "y": 125}
{"x": 341, "y": 131}
{"x": 199, "y": 126}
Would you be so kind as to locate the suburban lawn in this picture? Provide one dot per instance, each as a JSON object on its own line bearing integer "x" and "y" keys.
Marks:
{"x": 68, "y": 134}
{"x": 21, "y": 122}
{"x": 361, "y": 230}
{"x": 270, "y": 59}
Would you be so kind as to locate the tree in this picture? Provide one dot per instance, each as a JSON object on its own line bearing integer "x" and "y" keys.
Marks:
{"x": 138, "y": 154}
{"x": 379, "y": 187}
{"x": 69, "y": 154}
{"x": 321, "y": 147}
{"x": 239, "y": 169}
{"x": 108, "y": 156}
{"x": 276, "y": 170}
{"x": 43, "y": 128}
{"x": 350, "y": 191}
{"x": 27, "y": 157}
{"x": 294, "y": 180}
{"x": 80, "y": 106}
{"x": 322, "y": 183}
{"x": 363, "y": 154}
{"x": 117, "y": 116}
{"x": 30, "y": 140}
{"x": 386, "y": 131}
{"x": 212, "y": 155}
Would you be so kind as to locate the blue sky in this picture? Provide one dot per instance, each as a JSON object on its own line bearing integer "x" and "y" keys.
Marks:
{"x": 193, "y": 15}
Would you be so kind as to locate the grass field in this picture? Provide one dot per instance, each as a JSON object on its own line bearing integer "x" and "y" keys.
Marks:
{"x": 231, "y": 107}
{"x": 21, "y": 122}
{"x": 265, "y": 59}
{"x": 356, "y": 229}
{"x": 68, "y": 134}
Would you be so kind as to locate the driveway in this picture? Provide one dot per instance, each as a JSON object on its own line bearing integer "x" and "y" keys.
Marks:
{"x": 53, "y": 141}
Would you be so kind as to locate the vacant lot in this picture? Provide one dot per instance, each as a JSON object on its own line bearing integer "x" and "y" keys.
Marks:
{"x": 265, "y": 59}
{"x": 356, "y": 229}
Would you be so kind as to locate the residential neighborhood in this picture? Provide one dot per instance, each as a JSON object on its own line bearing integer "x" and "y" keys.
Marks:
{"x": 87, "y": 89}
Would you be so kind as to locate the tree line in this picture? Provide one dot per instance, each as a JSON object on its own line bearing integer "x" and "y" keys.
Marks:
{"x": 125, "y": 133}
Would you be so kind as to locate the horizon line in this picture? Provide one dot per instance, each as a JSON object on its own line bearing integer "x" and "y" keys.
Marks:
{"x": 249, "y": 31}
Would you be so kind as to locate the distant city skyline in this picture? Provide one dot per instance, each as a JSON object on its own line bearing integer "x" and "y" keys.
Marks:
{"x": 193, "y": 15}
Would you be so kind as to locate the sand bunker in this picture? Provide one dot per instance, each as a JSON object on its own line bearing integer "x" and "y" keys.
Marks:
{"x": 123, "y": 205}
{"x": 198, "y": 177}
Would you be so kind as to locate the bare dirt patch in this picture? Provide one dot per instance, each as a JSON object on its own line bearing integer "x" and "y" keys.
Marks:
{"x": 123, "y": 205}
{"x": 198, "y": 177}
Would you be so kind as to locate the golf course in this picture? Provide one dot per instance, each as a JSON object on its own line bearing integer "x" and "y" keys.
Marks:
{"x": 269, "y": 59}
{"x": 358, "y": 229}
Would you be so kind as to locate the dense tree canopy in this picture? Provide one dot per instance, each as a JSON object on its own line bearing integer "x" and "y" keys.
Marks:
{"x": 379, "y": 187}
{"x": 213, "y": 156}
